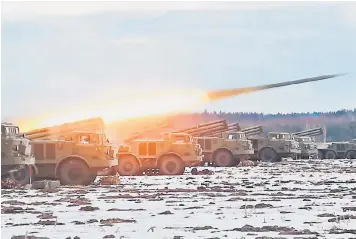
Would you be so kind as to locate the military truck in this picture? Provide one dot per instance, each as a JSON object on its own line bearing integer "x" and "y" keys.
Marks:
{"x": 273, "y": 147}
{"x": 71, "y": 155}
{"x": 226, "y": 151}
{"x": 169, "y": 155}
{"x": 337, "y": 150}
{"x": 309, "y": 148}
{"x": 222, "y": 144}
{"x": 16, "y": 158}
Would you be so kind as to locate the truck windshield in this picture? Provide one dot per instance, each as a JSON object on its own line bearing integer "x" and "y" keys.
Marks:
{"x": 286, "y": 136}
{"x": 236, "y": 136}
{"x": 179, "y": 138}
{"x": 11, "y": 130}
{"x": 280, "y": 136}
{"x": 241, "y": 136}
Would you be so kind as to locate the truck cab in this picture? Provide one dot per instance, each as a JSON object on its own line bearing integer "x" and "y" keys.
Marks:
{"x": 16, "y": 157}
{"x": 241, "y": 138}
{"x": 288, "y": 138}
{"x": 308, "y": 147}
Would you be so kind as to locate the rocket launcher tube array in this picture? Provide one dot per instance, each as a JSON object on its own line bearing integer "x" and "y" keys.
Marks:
{"x": 93, "y": 124}
{"x": 216, "y": 132}
{"x": 254, "y": 130}
{"x": 234, "y": 125}
{"x": 98, "y": 122}
{"x": 205, "y": 128}
{"x": 310, "y": 132}
{"x": 207, "y": 131}
{"x": 200, "y": 126}
{"x": 141, "y": 134}
{"x": 231, "y": 128}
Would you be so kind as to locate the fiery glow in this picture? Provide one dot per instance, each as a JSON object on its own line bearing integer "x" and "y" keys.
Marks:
{"x": 152, "y": 104}
{"x": 138, "y": 106}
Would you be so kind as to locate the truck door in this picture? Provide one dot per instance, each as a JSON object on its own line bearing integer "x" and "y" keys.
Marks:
{"x": 87, "y": 145}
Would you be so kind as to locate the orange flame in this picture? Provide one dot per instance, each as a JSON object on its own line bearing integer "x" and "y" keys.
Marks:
{"x": 139, "y": 106}
{"x": 159, "y": 103}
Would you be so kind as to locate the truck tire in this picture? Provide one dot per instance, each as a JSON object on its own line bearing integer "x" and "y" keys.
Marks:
{"x": 128, "y": 166}
{"x": 171, "y": 165}
{"x": 330, "y": 154}
{"x": 91, "y": 178}
{"x": 351, "y": 154}
{"x": 223, "y": 158}
{"x": 22, "y": 175}
{"x": 74, "y": 172}
{"x": 320, "y": 154}
{"x": 314, "y": 156}
{"x": 269, "y": 155}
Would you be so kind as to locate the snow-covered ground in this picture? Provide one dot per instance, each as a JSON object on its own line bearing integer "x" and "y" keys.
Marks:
{"x": 305, "y": 195}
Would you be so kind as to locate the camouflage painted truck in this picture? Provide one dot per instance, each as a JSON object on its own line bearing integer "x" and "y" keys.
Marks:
{"x": 222, "y": 144}
{"x": 337, "y": 150}
{"x": 73, "y": 153}
{"x": 16, "y": 157}
{"x": 273, "y": 147}
{"x": 309, "y": 149}
{"x": 168, "y": 155}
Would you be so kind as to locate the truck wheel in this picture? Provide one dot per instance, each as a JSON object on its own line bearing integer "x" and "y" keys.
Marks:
{"x": 330, "y": 154}
{"x": 223, "y": 158}
{"x": 128, "y": 166}
{"x": 74, "y": 172}
{"x": 269, "y": 155}
{"x": 171, "y": 165}
{"x": 91, "y": 178}
{"x": 320, "y": 155}
{"x": 351, "y": 154}
{"x": 22, "y": 175}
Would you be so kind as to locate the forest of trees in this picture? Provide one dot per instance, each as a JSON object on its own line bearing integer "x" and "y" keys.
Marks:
{"x": 340, "y": 125}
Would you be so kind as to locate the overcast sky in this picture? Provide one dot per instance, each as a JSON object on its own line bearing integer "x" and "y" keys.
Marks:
{"x": 58, "y": 54}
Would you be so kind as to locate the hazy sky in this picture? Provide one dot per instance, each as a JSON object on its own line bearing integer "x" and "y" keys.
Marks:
{"x": 57, "y": 54}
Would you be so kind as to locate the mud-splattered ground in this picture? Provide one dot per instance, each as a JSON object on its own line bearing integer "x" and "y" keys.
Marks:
{"x": 293, "y": 199}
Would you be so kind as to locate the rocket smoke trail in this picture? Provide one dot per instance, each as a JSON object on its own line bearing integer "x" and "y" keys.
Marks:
{"x": 227, "y": 93}
{"x": 191, "y": 98}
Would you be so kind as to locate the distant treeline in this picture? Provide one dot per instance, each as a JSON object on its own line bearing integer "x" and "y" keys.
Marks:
{"x": 340, "y": 125}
